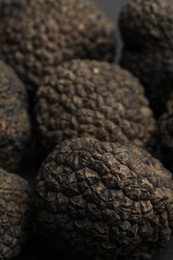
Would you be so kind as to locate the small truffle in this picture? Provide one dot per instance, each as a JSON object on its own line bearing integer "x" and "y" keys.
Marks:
{"x": 147, "y": 31}
{"x": 15, "y": 128}
{"x": 90, "y": 98}
{"x": 166, "y": 133}
{"x": 104, "y": 200}
{"x": 15, "y": 213}
{"x": 38, "y": 33}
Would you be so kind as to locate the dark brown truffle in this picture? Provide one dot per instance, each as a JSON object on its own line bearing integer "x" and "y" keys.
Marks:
{"x": 104, "y": 200}
{"x": 90, "y": 98}
{"x": 166, "y": 132}
{"x": 147, "y": 31}
{"x": 38, "y": 33}
{"x": 15, "y": 128}
{"x": 15, "y": 213}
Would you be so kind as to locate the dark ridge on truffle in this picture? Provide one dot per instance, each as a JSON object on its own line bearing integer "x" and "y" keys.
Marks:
{"x": 147, "y": 31}
{"x": 15, "y": 128}
{"x": 39, "y": 33}
{"x": 15, "y": 213}
{"x": 103, "y": 200}
{"x": 90, "y": 98}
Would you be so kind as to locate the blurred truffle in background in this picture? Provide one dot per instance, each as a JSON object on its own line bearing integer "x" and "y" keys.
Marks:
{"x": 36, "y": 34}
{"x": 147, "y": 32}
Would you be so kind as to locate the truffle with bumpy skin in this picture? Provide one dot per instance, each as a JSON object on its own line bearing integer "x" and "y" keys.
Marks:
{"x": 90, "y": 98}
{"x": 147, "y": 31}
{"x": 104, "y": 200}
{"x": 15, "y": 213}
{"x": 37, "y": 33}
{"x": 15, "y": 127}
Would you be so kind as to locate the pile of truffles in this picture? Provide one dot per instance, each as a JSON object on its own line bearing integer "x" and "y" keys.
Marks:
{"x": 97, "y": 190}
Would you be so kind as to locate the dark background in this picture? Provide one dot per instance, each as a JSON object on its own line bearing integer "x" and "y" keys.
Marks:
{"x": 35, "y": 249}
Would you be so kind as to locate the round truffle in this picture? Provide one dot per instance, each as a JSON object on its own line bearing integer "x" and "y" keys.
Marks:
{"x": 15, "y": 213}
{"x": 104, "y": 200}
{"x": 15, "y": 127}
{"x": 90, "y": 98}
{"x": 38, "y": 33}
{"x": 147, "y": 31}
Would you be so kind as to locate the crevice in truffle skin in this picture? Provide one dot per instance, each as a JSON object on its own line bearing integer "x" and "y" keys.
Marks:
{"x": 147, "y": 31}
{"x": 15, "y": 213}
{"x": 166, "y": 134}
{"x": 104, "y": 200}
{"x": 42, "y": 33}
{"x": 91, "y": 98}
{"x": 15, "y": 126}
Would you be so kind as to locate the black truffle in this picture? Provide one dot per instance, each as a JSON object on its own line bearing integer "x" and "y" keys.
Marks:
{"x": 15, "y": 213}
{"x": 90, "y": 98}
{"x": 37, "y": 33}
{"x": 147, "y": 31}
{"x": 104, "y": 200}
{"x": 15, "y": 128}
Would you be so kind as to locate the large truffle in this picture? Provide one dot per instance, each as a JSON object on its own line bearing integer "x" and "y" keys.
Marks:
{"x": 38, "y": 33}
{"x": 147, "y": 31}
{"x": 90, "y": 98}
{"x": 15, "y": 128}
{"x": 104, "y": 200}
{"x": 15, "y": 213}
{"x": 166, "y": 133}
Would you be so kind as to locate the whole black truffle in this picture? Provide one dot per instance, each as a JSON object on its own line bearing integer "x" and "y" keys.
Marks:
{"x": 166, "y": 133}
{"x": 147, "y": 31}
{"x": 15, "y": 127}
{"x": 38, "y": 33}
{"x": 104, "y": 200}
{"x": 90, "y": 98}
{"x": 15, "y": 213}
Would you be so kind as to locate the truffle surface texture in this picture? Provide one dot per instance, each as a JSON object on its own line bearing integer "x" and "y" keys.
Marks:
{"x": 15, "y": 127}
{"x": 39, "y": 33}
{"x": 15, "y": 213}
{"x": 147, "y": 31}
{"x": 104, "y": 200}
{"x": 91, "y": 98}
